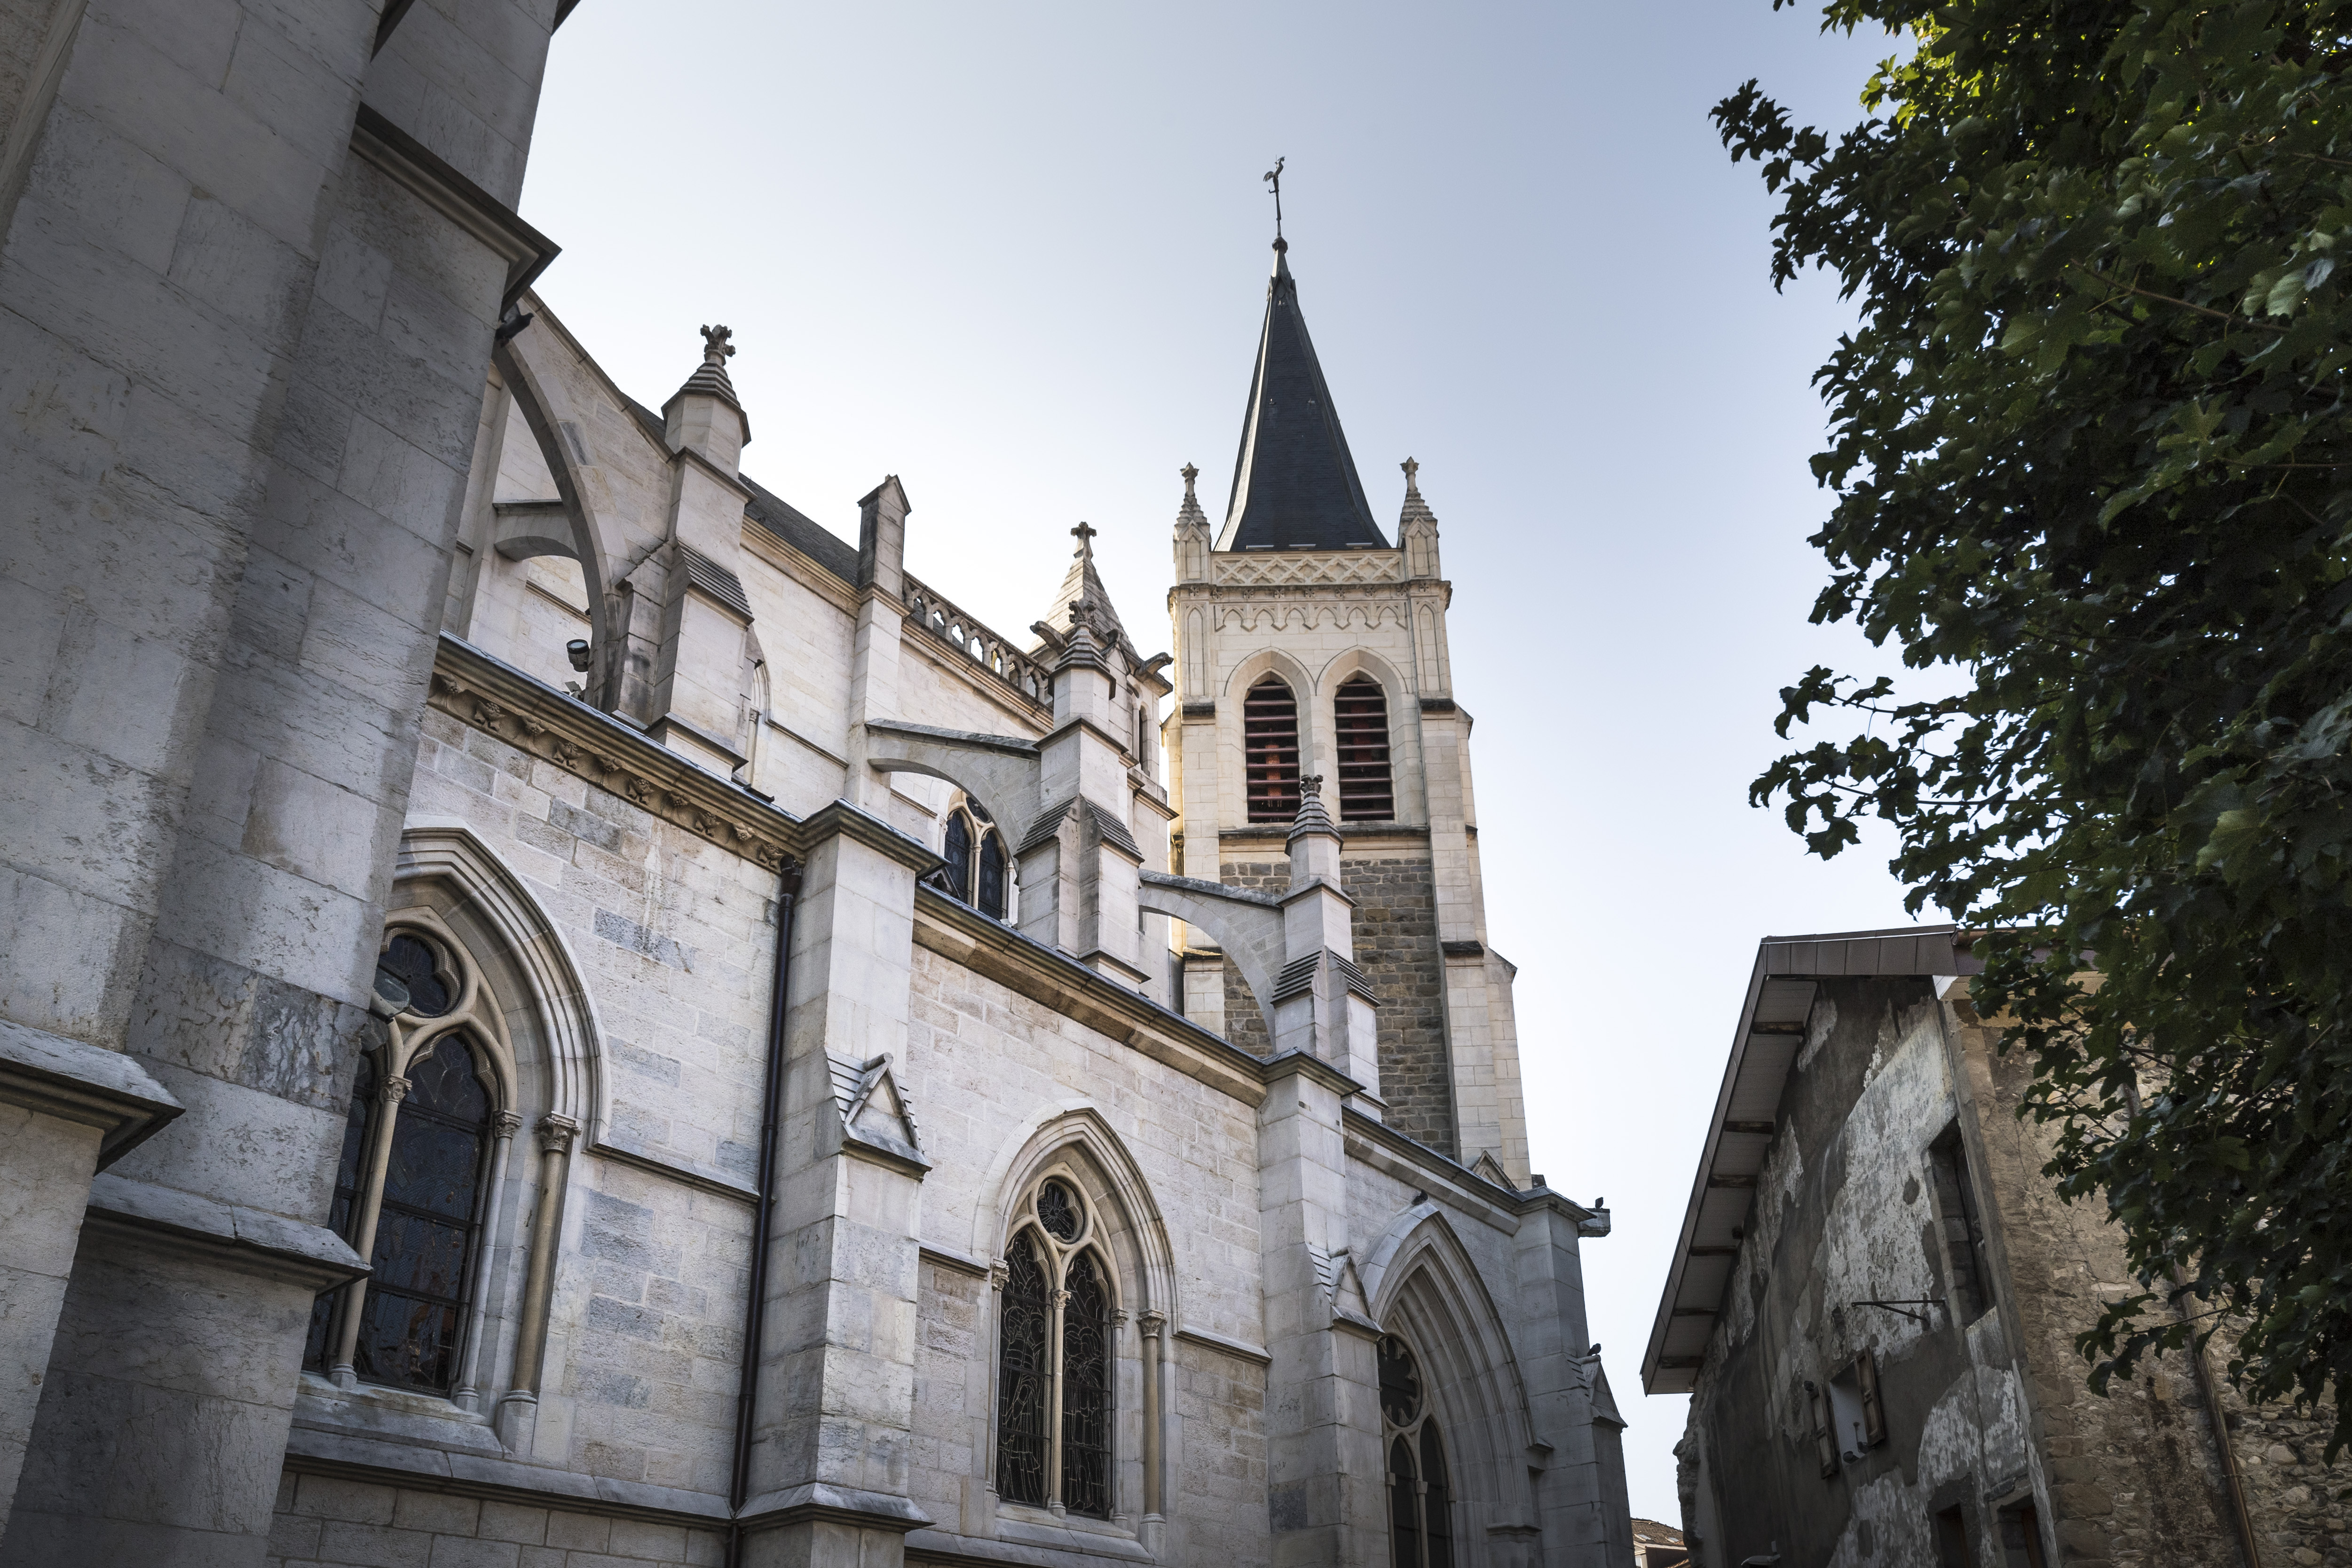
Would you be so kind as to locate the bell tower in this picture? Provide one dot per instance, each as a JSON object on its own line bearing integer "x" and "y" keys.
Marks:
{"x": 1307, "y": 645}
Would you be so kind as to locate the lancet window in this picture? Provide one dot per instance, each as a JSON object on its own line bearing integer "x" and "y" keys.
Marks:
{"x": 1055, "y": 1357}
{"x": 1421, "y": 1496}
{"x": 424, "y": 1149}
{"x": 976, "y": 868}
{"x": 1360, "y": 726}
{"x": 1270, "y": 750}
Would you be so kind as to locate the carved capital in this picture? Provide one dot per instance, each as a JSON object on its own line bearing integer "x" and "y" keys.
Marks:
{"x": 506, "y": 1124}
{"x": 1153, "y": 1321}
{"x": 1118, "y": 1317}
{"x": 998, "y": 1273}
{"x": 395, "y": 1090}
{"x": 555, "y": 1134}
{"x": 1061, "y": 1300}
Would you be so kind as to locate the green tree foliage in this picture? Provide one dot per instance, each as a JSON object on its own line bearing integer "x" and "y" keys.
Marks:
{"x": 2091, "y": 458}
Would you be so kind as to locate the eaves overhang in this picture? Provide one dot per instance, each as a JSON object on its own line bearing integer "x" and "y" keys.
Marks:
{"x": 1771, "y": 1034}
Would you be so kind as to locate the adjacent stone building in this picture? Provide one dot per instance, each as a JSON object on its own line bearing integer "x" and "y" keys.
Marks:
{"x": 1874, "y": 1302}
{"x": 554, "y": 1012}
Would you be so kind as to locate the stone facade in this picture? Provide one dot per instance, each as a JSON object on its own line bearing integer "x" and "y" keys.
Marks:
{"x": 1882, "y": 1255}
{"x": 495, "y": 1066}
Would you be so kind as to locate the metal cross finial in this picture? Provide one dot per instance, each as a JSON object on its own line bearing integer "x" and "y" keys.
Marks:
{"x": 1274, "y": 177}
{"x": 1085, "y": 534}
{"x": 716, "y": 349}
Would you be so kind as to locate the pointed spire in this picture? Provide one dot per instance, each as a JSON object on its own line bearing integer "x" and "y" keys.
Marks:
{"x": 1078, "y": 645}
{"x": 1190, "y": 512}
{"x": 1415, "y": 509}
{"x": 711, "y": 379}
{"x": 1082, "y": 586}
{"x": 1295, "y": 482}
{"x": 1312, "y": 818}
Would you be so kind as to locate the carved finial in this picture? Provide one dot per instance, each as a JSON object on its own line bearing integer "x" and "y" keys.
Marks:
{"x": 1310, "y": 784}
{"x": 1190, "y": 474}
{"x": 716, "y": 349}
{"x": 1411, "y": 474}
{"x": 1085, "y": 534}
{"x": 1081, "y": 611}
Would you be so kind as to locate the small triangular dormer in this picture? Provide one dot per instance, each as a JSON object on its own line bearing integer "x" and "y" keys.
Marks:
{"x": 876, "y": 1115}
{"x": 1488, "y": 1166}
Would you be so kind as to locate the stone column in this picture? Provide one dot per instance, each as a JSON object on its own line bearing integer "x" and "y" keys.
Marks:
{"x": 518, "y": 1417}
{"x": 1325, "y": 1497}
{"x": 354, "y": 1299}
{"x": 503, "y": 1128}
{"x": 1154, "y": 1324}
{"x": 830, "y": 1460}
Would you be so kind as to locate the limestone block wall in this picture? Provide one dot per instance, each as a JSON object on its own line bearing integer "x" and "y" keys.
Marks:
{"x": 325, "y": 1520}
{"x": 674, "y": 937}
{"x": 1221, "y": 1475}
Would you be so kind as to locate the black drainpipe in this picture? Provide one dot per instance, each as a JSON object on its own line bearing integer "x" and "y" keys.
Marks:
{"x": 755, "y": 1310}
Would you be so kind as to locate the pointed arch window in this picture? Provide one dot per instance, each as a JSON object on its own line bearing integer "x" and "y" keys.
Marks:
{"x": 1270, "y": 750}
{"x": 425, "y": 1146}
{"x": 976, "y": 868}
{"x": 1360, "y": 726}
{"x": 1055, "y": 1357}
{"x": 1421, "y": 1496}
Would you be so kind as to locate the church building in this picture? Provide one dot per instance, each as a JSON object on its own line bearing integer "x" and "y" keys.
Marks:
{"x": 640, "y": 1032}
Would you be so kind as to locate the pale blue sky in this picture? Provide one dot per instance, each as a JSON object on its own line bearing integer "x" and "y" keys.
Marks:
{"x": 1017, "y": 256}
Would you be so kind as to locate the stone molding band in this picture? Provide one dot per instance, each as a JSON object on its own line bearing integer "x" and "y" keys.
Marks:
{"x": 73, "y": 1081}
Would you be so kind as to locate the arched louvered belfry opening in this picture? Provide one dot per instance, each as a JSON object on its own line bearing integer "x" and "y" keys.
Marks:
{"x": 1360, "y": 726}
{"x": 1270, "y": 750}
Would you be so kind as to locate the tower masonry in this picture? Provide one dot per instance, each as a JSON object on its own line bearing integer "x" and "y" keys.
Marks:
{"x": 1309, "y": 645}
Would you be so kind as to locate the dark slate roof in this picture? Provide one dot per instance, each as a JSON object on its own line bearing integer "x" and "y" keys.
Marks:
{"x": 776, "y": 515}
{"x": 1295, "y": 484}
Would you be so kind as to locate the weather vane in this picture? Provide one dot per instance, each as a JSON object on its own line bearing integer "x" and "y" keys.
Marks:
{"x": 1274, "y": 177}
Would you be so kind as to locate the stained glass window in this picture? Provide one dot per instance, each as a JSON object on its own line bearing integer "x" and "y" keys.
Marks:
{"x": 413, "y": 1311}
{"x": 1270, "y": 751}
{"x": 1057, "y": 1212}
{"x": 992, "y": 876}
{"x": 1436, "y": 1500}
{"x": 412, "y": 962}
{"x": 956, "y": 876}
{"x": 1399, "y": 1383}
{"x": 1022, "y": 1376}
{"x": 1360, "y": 726}
{"x": 1404, "y": 1507}
{"x": 1086, "y": 1392}
{"x": 350, "y": 1171}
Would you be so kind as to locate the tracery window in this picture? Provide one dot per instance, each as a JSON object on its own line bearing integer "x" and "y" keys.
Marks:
{"x": 1270, "y": 751}
{"x": 425, "y": 1146}
{"x": 975, "y": 868}
{"x": 1360, "y": 724}
{"x": 1057, "y": 1357}
{"x": 1421, "y": 1496}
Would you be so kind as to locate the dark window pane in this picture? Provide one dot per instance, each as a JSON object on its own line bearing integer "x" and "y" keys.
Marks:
{"x": 413, "y": 964}
{"x": 956, "y": 877}
{"x": 1404, "y": 1508}
{"x": 1436, "y": 1500}
{"x": 1400, "y": 1382}
{"x": 1270, "y": 751}
{"x": 424, "y": 1231}
{"x": 348, "y": 1170}
{"x": 1057, "y": 1212}
{"x": 415, "y": 1253}
{"x": 407, "y": 1342}
{"x": 992, "y": 876}
{"x": 1023, "y": 1321}
{"x": 1361, "y": 722}
{"x": 1086, "y": 1392}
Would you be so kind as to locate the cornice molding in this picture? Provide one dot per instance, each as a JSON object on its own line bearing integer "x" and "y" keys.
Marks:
{"x": 74, "y": 1081}
{"x": 486, "y": 693}
{"x": 416, "y": 167}
{"x": 842, "y": 819}
{"x": 963, "y": 935}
